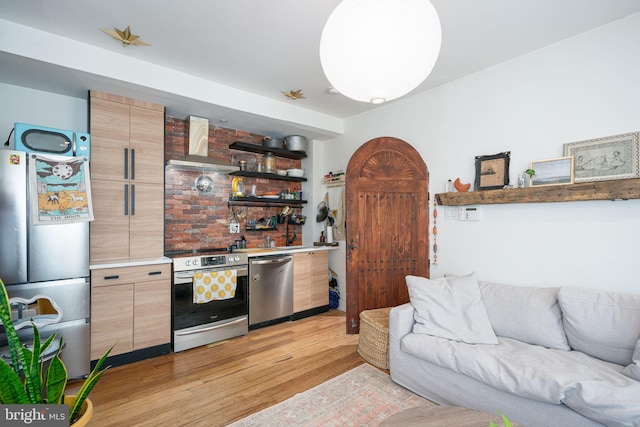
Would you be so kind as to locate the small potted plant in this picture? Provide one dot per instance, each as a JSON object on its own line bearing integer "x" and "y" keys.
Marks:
{"x": 26, "y": 382}
{"x": 525, "y": 177}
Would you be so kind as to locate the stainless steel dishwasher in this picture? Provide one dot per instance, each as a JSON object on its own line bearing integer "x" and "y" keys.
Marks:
{"x": 270, "y": 289}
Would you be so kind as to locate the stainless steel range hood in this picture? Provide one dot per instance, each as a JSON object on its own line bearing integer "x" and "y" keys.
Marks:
{"x": 197, "y": 159}
{"x": 200, "y": 164}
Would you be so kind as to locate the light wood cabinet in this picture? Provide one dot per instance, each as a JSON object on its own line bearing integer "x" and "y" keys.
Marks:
{"x": 310, "y": 280}
{"x": 130, "y": 306}
{"x": 111, "y": 319}
{"x": 127, "y": 173}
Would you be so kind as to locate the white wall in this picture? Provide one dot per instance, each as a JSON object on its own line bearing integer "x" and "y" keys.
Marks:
{"x": 585, "y": 87}
{"x": 40, "y": 108}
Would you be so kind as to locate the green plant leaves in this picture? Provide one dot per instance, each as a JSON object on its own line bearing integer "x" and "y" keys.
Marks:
{"x": 11, "y": 387}
{"x": 88, "y": 385}
{"x": 505, "y": 420}
{"x": 56, "y": 380}
{"x": 13, "y": 390}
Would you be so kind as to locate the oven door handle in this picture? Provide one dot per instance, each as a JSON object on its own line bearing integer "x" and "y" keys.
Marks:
{"x": 187, "y": 276}
{"x": 211, "y": 328}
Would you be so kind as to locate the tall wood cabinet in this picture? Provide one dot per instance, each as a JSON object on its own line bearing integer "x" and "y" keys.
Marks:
{"x": 310, "y": 280}
{"x": 127, "y": 178}
{"x": 130, "y": 284}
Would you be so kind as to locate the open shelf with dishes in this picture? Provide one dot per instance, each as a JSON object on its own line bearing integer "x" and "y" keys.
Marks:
{"x": 263, "y": 201}
{"x": 264, "y": 175}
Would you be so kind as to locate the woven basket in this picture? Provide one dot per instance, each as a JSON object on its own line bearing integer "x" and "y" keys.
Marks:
{"x": 373, "y": 341}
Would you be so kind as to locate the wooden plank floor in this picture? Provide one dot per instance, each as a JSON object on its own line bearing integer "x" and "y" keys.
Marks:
{"x": 217, "y": 384}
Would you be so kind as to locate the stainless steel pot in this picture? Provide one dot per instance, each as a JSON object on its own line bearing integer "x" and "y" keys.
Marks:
{"x": 272, "y": 142}
{"x": 296, "y": 143}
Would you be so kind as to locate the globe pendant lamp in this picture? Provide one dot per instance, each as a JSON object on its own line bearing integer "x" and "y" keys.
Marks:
{"x": 379, "y": 50}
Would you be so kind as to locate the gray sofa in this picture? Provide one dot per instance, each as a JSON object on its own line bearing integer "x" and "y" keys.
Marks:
{"x": 543, "y": 356}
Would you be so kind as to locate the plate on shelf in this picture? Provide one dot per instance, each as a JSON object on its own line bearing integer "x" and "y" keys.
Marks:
{"x": 270, "y": 197}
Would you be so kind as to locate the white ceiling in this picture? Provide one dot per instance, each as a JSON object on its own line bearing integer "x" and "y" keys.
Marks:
{"x": 265, "y": 47}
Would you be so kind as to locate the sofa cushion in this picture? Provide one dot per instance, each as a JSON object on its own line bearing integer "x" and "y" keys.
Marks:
{"x": 528, "y": 314}
{"x": 450, "y": 308}
{"x": 589, "y": 386}
{"x": 633, "y": 369}
{"x": 600, "y": 323}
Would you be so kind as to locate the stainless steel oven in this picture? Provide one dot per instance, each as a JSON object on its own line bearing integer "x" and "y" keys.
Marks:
{"x": 197, "y": 323}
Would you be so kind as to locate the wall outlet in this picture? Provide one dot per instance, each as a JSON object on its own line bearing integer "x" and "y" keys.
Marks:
{"x": 234, "y": 227}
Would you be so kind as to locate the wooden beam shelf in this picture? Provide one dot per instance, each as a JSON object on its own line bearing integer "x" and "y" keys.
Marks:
{"x": 621, "y": 189}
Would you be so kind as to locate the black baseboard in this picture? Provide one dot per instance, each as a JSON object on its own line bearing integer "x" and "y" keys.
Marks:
{"x": 135, "y": 356}
{"x": 269, "y": 323}
{"x": 310, "y": 312}
{"x": 294, "y": 316}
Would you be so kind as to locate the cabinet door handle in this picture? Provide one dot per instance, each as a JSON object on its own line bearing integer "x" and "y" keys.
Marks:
{"x": 126, "y": 163}
{"x": 133, "y": 199}
{"x": 126, "y": 199}
{"x": 111, "y": 277}
{"x": 133, "y": 163}
{"x": 154, "y": 273}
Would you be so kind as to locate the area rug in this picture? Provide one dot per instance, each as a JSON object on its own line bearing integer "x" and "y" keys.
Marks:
{"x": 363, "y": 396}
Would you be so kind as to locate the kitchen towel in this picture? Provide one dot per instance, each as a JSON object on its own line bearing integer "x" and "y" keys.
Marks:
{"x": 60, "y": 191}
{"x": 214, "y": 285}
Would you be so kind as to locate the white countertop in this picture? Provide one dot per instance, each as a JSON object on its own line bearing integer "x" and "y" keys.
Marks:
{"x": 114, "y": 264}
{"x": 251, "y": 253}
{"x": 256, "y": 252}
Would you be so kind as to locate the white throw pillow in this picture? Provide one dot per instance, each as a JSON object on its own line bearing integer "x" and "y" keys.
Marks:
{"x": 633, "y": 370}
{"x": 450, "y": 308}
{"x": 601, "y": 323}
{"x": 524, "y": 313}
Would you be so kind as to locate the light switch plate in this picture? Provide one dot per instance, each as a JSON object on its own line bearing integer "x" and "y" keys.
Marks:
{"x": 450, "y": 213}
{"x": 234, "y": 227}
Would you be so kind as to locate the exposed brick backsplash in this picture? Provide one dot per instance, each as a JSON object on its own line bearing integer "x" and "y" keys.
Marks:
{"x": 199, "y": 221}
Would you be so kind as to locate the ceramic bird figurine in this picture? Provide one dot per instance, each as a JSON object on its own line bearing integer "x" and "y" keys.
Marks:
{"x": 462, "y": 188}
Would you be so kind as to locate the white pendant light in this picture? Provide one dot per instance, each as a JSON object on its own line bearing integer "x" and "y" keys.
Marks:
{"x": 379, "y": 50}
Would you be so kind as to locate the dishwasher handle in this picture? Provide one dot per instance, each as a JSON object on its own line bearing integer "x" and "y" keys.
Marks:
{"x": 266, "y": 261}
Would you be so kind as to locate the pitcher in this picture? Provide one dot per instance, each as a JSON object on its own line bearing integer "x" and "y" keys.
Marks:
{"x": 237, "y": 187}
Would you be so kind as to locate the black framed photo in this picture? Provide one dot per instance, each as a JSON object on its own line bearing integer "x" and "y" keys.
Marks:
{"x": 492, "y": 172}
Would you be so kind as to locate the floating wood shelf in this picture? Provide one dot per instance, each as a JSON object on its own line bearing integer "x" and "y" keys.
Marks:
{"x": 264, "y": 175}
{"x": 263, "y": 201}
{"x": 253, "y": 148}
{"x": 621, "y": 189}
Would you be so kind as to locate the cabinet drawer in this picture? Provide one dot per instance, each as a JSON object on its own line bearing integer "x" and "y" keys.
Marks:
{"x": 137, "y": 274}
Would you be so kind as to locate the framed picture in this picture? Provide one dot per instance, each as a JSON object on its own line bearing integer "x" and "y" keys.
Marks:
{"x": 492, "y": 172}
{"x": 612, "y": 157}
{"x": 552, "y": 171}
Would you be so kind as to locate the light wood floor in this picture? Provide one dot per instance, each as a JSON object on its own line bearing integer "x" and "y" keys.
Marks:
{"x": 217, "y": 384}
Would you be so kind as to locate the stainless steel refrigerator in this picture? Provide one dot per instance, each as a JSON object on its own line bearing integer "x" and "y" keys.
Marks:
{"x": 45, "y": 269}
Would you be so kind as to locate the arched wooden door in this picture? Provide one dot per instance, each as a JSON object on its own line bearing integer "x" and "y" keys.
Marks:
{"x": 387, "y": 216}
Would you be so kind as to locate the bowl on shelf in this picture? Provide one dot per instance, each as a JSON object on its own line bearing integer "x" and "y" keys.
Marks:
{"x": 299, "y": 173}
{"x": 281, "y": 172}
